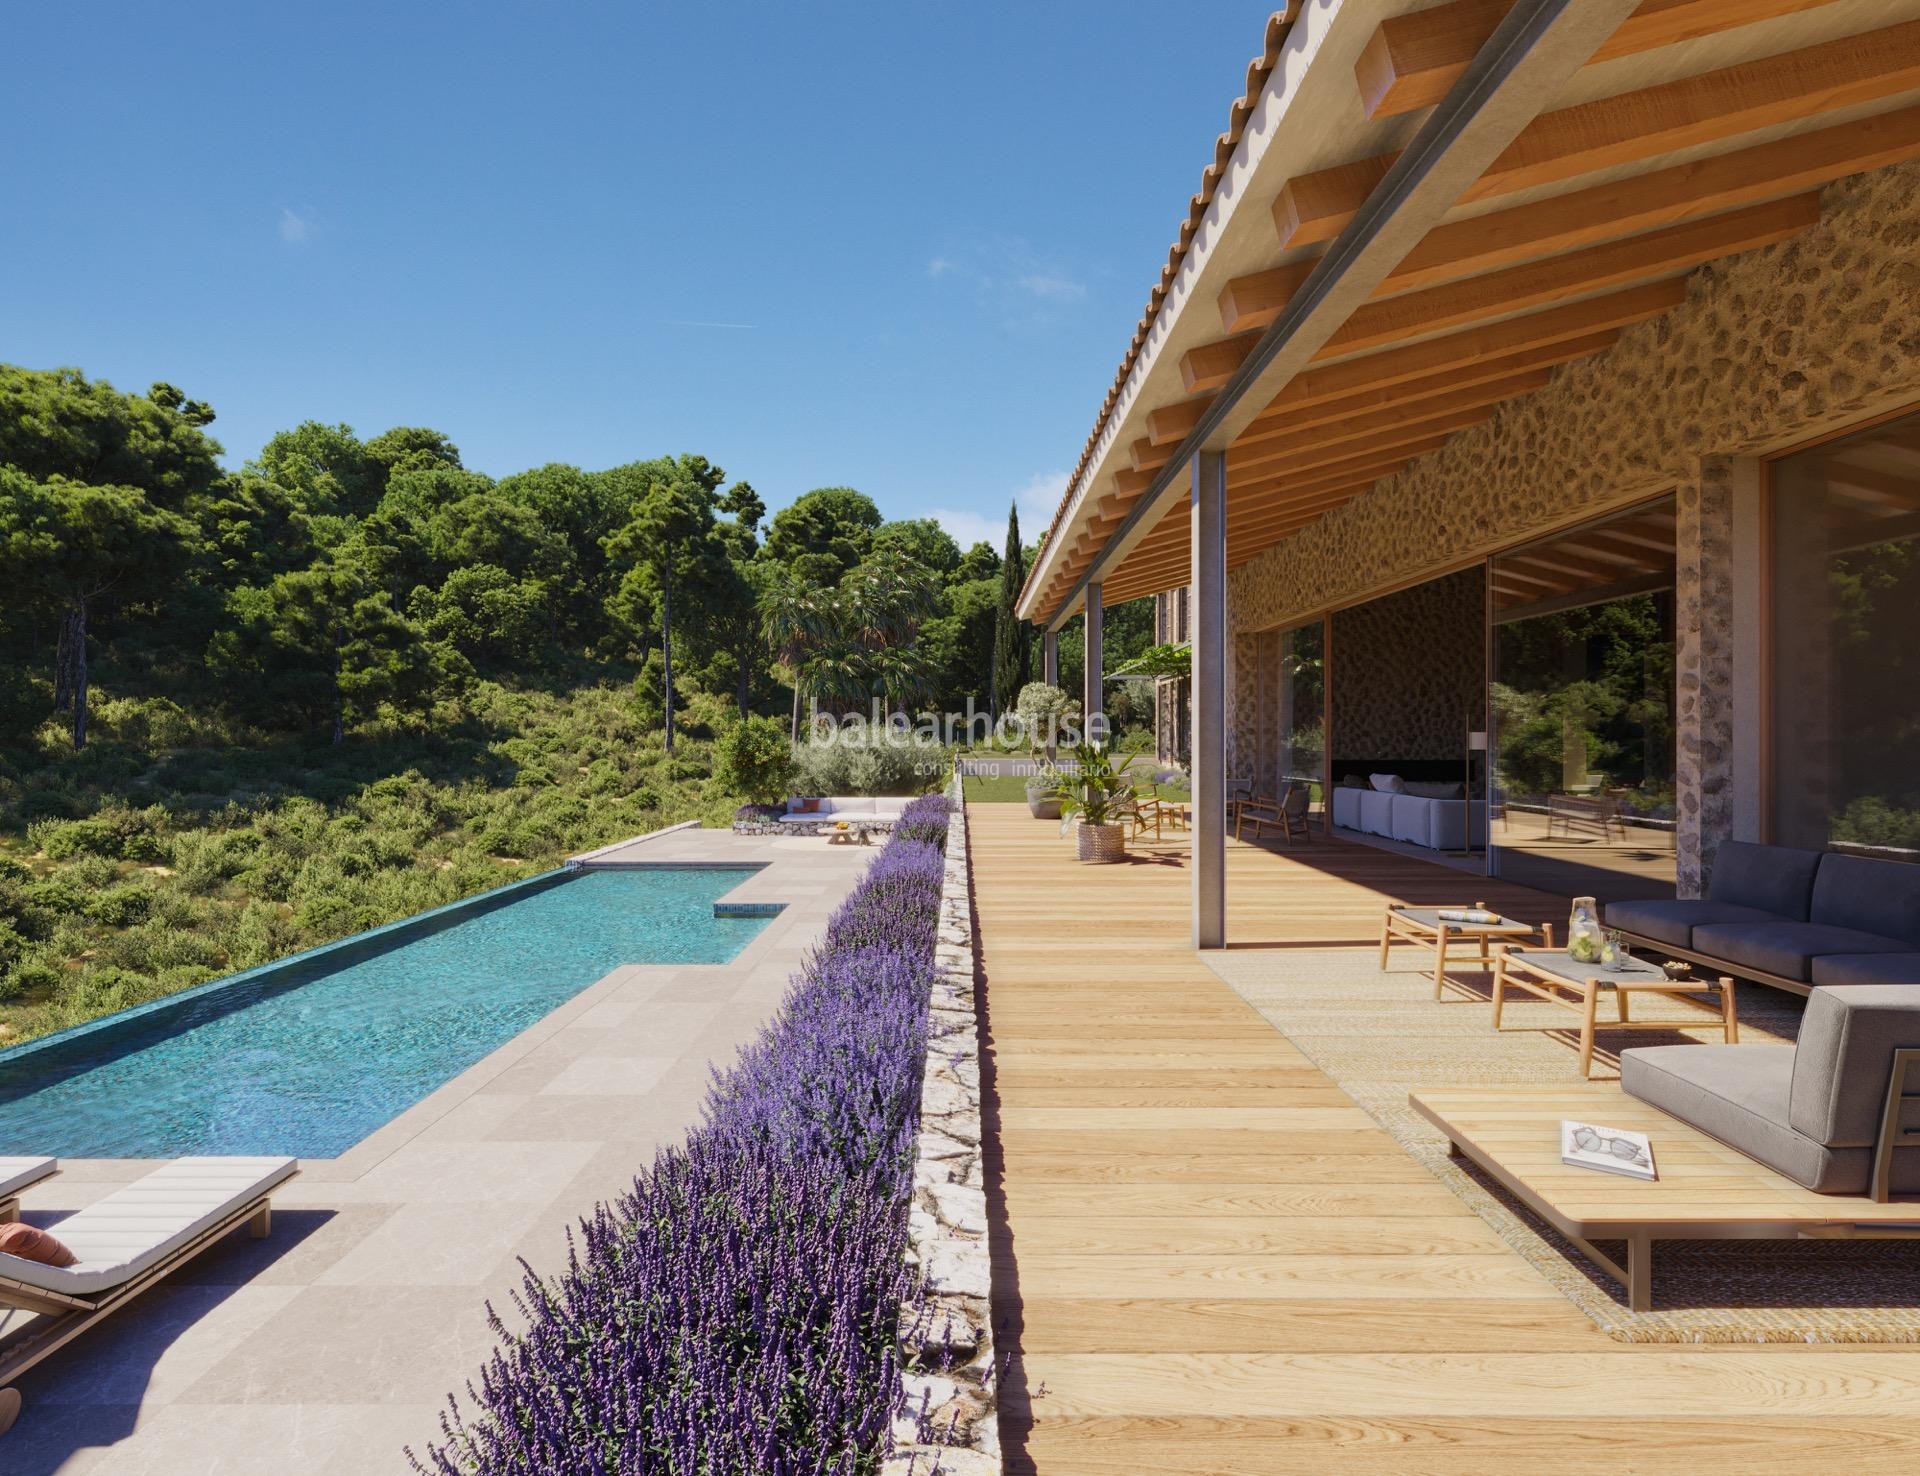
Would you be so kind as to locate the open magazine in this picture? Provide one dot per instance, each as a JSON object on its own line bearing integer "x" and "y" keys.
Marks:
{"x": 1610, "y": 1150}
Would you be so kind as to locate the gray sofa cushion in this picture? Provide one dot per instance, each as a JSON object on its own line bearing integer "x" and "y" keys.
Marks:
{"x": 1786, "y": 948}
{"x": 1841, "y": 969}
{"x": 1844, "y": 1057}
{"x": 1868, "y": 896}
{"x": 1673, "y": 921}
{"x": 1740, "y": 1095}
{"x": 1776, "y": 879}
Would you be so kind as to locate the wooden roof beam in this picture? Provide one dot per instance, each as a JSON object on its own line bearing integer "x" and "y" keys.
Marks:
{"x": 1412, "y": 61}
{"x": 1458, "y": 379}
{"x": 1282, "y": 457}
{"x": 1355, "y": 426}
{"x": 1670, "y": 252}
{"x": 1457, "y": 350}
{"x": 1619, "y": 208}
{"x": 1707, "y": 108}
{"x": 1611, "y": 265}
{"x": 1172, "y": 424}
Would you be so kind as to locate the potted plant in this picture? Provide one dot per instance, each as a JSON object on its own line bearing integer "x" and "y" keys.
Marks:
{"x": 1042, "y": 802}
{"x": 1101, "y": 799}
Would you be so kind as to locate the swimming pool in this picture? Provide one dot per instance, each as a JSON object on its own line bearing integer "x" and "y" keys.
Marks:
{"x": 309, "y": 1055}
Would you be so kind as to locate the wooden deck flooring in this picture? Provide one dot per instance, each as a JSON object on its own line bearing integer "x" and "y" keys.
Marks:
{"x": 1208, "y": 1260}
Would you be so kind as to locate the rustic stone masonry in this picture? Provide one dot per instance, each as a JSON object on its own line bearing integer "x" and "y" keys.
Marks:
{"x": 946, "y": 1423}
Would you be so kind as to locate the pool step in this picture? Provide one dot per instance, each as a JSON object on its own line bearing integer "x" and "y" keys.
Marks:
{"x": 748, "y": 909}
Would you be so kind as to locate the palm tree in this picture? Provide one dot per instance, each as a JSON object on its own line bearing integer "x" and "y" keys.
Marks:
{"x": 798, "y": 619}
{"x": 883, "y": 603}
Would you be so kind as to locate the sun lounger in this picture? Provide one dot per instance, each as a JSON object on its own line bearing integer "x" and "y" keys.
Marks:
{"x": 124, "y": 1243}
{"x": 18, "y": 1175}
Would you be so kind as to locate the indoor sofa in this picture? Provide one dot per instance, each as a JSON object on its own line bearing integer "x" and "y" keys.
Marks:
{"x": 1791, "y": 918}
{"x": 1424, "y": 814}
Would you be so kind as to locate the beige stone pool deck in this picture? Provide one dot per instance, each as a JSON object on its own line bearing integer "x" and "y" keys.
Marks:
{"x": 332, "y": 1344}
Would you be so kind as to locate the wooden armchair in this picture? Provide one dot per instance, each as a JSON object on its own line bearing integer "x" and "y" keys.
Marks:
{"x": 1289, "y": 816}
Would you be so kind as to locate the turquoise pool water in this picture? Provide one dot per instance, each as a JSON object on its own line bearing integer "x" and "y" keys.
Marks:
{"x": 308, "y": 1056}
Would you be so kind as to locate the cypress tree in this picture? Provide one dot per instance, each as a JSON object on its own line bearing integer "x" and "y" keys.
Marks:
{"x": 1012, "y": 636}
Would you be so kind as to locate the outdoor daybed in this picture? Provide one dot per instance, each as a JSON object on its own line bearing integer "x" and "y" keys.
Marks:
{"x": 18, "y": 1175}
{"x": 879, "y": 812}
{"x": 1790, "y": 918}
{"x": 124, "y": 1243}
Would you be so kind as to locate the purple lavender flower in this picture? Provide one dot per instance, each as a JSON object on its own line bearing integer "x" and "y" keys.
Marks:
{"x": 736, "y": 1311}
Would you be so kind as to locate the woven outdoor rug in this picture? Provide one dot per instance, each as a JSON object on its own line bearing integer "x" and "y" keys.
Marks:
{"x": 1381, "y": 1035}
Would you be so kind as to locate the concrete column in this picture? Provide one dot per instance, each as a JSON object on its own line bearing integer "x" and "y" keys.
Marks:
{"x": 1050, "y": 658}
{"x": 1093, "y": 698}
{"x": 1703, "y": 619}
{"x": 1210, "y": 656}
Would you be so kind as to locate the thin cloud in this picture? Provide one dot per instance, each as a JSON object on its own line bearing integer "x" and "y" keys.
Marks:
{"x": 1008, "y": 272}
{"x": 1052, "y": 286}
{"x": 1036, "y": 498}
{"x": 296, "y": 226}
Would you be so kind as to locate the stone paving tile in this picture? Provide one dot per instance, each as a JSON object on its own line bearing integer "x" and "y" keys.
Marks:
{"x": 163, "y": 1343}
{"x": 609, "y": 1075}
{"x": 432, "y": 1245}
{"x": 346, "y": 1344}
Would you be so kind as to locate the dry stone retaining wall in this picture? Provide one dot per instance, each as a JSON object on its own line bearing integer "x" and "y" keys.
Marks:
{"x": 947, "y": 1421}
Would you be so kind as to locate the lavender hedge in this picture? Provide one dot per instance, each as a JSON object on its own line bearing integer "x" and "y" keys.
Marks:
{"x": 735, "y": 1312}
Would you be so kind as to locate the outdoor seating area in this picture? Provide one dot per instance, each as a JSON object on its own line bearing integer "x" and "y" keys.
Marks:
{"x": 1227, "y": 1245}
{"x": 1791, "y": 918}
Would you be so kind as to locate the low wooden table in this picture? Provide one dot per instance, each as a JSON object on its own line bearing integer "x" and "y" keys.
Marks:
{"x": 850, "y": 833}
{"x": 1706, "y": 1190}
{"x": 1554, "y": 975}
{"x": 1423, "y": 926}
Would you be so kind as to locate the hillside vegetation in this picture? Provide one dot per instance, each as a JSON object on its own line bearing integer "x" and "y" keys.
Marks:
{"x": 247, "y": 711}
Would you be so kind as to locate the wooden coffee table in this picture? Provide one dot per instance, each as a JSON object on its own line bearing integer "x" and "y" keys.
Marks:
{"x": 1424, "y": 926}
{"x": 1554, "y": 975}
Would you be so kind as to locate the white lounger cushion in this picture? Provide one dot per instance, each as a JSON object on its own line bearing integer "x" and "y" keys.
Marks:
{"x": 142, "y": 1223}
{"x": 17, "y": 1173}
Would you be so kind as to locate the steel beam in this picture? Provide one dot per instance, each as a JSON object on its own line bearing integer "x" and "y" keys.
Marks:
{"x": 1093, "y": 697}
{"x": 1208, "y": 627}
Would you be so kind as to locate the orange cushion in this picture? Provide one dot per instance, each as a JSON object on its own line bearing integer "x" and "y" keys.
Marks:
{"x": 31, "y": 1244}
{"x": 808, "y": 807}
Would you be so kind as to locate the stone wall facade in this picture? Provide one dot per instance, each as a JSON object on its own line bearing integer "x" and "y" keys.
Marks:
{"x": 1703, "y": 669}
{"x": 1770, "y": 348}
{"x": 947, "y": 1422}
{"x": 1410, "y": 675}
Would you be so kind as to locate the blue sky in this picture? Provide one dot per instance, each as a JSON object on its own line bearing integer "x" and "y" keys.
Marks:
{"x": 898, "y": 246}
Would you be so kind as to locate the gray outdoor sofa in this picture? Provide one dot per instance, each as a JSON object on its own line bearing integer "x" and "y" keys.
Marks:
{"x": 1790, "y": 918}
{"x": 1838, "y": 1112}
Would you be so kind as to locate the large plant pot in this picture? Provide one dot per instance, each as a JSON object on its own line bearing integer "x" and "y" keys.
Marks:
{"x": 1102, "y": 844}
{"x": 1043, "y": 807}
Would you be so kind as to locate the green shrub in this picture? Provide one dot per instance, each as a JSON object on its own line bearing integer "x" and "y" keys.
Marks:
{"x": 79, "y": 838}
{"x": 59, "y": 894}
{"x": 120, "y": 907}
{"x": 40, "y": 804}
{"x": 754, "y": 760}
{"x": 30, "y": 977}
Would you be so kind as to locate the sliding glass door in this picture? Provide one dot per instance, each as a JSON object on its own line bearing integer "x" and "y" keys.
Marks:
{"x": 1846, "y": 644}
{"x": 1581, "y": 709}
